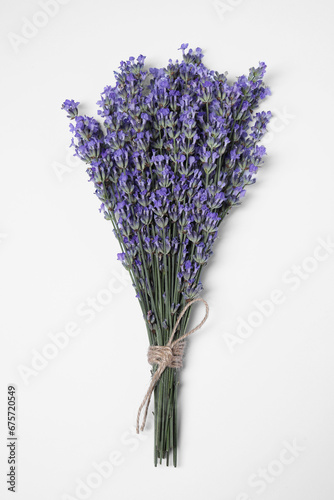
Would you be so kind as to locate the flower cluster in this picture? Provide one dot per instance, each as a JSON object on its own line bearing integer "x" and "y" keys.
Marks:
{"x": 176, "y": 150}
{"x": 173, "y": 152}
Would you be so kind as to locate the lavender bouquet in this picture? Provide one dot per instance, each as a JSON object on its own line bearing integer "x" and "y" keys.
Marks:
{"x": 175, "y": 152}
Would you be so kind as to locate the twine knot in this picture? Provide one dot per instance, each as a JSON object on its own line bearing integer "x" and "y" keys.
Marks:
{"x": 169, "y": 355}
{"x": 166, "y": 355}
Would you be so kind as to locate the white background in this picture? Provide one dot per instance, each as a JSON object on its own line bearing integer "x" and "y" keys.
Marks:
{"x": 240, "y": 404}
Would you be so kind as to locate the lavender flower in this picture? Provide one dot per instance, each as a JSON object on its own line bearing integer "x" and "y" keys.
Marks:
{"x": 71, "y": 107}
{"x": 176, "y": 151}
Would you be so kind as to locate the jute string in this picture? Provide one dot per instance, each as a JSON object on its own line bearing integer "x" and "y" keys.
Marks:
{"x": 169, "y": 355}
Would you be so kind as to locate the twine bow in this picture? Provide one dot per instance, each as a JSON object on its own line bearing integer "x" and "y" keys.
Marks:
{"x": 169, "y": 355}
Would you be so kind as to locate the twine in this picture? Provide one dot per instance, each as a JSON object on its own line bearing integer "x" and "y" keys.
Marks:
{"x": 169, "y": 355}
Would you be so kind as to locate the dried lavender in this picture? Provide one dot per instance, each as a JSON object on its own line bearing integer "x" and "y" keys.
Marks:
{"x": 176, "y": 150}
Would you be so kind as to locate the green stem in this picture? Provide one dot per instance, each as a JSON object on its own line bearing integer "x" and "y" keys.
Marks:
{"x": 165, "y": 417}
{"x": 147, "y": 276}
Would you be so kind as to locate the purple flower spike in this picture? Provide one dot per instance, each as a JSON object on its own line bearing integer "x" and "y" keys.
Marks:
{"x": 71, "y": 107}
